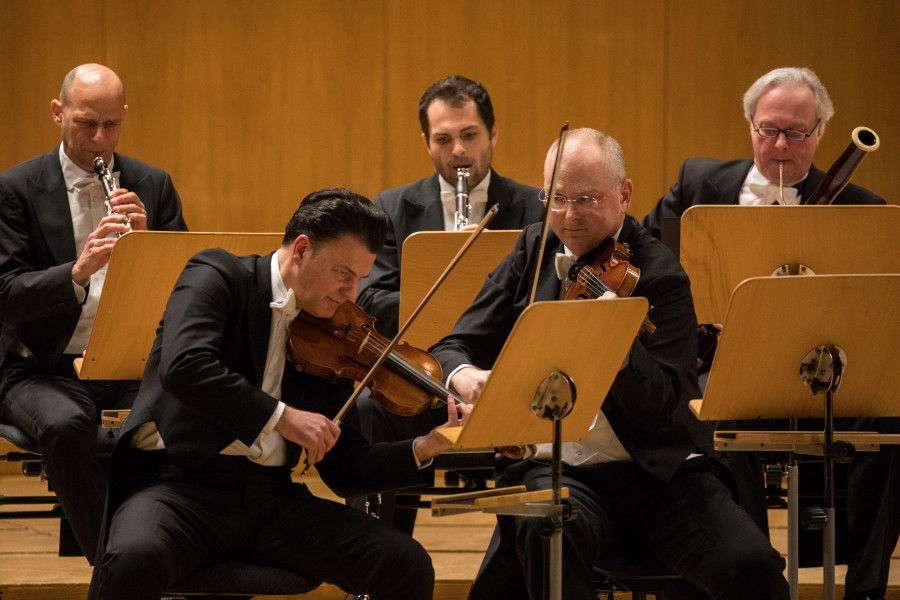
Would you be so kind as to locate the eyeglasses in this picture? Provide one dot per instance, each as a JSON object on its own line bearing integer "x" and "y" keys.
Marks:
{"x": 790, "y": 134}
{"x": 560, "y": 202}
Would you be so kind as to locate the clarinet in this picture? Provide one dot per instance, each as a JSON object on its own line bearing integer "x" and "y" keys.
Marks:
{"x": 109, "y": 184}
{"x": 462, "y": 198}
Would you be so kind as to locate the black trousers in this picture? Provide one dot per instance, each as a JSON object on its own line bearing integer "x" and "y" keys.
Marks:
{"x": 691, "y": 524}
{"x": 62, "y": 413}
{"x": 172, "y": 523}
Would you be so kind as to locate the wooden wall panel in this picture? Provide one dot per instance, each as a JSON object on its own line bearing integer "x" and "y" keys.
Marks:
{"x": 39, "y": 43}
{"x": 595, "y": 64}
{"x": 252, "y": 105}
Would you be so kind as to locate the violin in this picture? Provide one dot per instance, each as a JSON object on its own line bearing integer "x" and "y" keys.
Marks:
{"x": 606, "y": 269}
{"x": 347, "y": 345}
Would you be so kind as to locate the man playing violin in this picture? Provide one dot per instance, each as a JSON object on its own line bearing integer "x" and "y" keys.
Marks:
{"x": 643, "y": 480}
{"x": 55, "y": 243}
{"x": 787, "y": 110}
{"x": 202, "y": 471}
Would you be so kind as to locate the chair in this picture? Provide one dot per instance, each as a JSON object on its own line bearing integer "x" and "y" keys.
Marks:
{"x": 32, "y": 465}
{"x": 629, "y": 572}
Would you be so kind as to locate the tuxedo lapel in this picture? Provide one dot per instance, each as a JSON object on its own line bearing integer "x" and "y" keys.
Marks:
{"x": 422, "y": 207}
{"x": 548, "y": 281}
{"x": 137, "y": 181}
{"x": 508, "y": 216}
{"x": 51, "y": 209}
{"x": 260, "y": 314}
{"x": 725, "y": 186}
{"x": 806, "y": 187}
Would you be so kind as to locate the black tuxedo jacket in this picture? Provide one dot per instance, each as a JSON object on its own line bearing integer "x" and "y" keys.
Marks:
{"x": 711, "y": 181}
{"x": 37, "y": 247}
{"x": 201, "y": 385}
{"x": 647, "y": 404}
{"x": 417, "y": 207}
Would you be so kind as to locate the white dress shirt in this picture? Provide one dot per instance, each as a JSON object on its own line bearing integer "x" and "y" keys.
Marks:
{"x": 759, "y": 191}
{"x": 477, "y": 201}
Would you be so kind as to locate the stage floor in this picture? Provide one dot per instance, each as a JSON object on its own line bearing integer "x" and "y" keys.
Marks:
{"x": 31, "y": 570}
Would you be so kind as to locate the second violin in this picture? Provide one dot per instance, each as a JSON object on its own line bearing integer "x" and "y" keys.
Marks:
{"x": 606, "y": 269}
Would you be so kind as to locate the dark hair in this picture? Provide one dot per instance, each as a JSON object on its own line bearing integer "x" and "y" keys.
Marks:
{"x": 333, "y": 212}
{"x": 456, "y": 90}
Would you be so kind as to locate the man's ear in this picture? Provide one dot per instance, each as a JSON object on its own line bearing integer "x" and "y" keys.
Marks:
{"x": 626, "y": 194}
{"x": 301, "y": 248}
{"x": 56, "y": 111}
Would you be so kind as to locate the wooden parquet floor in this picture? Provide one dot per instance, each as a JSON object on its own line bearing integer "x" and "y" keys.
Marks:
{"x": 31, "y": 570}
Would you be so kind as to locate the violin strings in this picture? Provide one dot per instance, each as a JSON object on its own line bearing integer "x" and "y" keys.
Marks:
{"x": 589, "y": 279}
{"x": 401, "y": 363}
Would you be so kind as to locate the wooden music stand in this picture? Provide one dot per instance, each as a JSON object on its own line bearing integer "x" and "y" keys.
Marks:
{"x": 142, "y": 271}
{"x": 425, "y": 254}
{"x": 775, "y": 355}
{"x": 723, "y": 245}
{"x": 559, "y": 381}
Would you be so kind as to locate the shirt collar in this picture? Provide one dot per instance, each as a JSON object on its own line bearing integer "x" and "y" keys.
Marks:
{"x": 478, "y": 199}
{"x": 72, "y": 172}
{"x": 482, "y": 186}
{"x": 282, "y": 298}
{"x": 756, "y": 176}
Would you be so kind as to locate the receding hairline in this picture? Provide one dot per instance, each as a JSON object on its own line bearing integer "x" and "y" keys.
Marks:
{"x": 90, "y": 73}
{"x": 610, "y": 151}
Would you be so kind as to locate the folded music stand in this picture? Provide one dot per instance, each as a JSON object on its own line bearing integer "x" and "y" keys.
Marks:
{"x": 425, "y": 254}
{"x": 723, "y": 245}
{"x": 545, "y": 387}
{"x": 142, "y": 271}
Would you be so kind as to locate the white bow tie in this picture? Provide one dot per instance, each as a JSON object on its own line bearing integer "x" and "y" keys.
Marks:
{"x": 287, "y": 308}
{"x": 476, "y": 196}
{"x": 85, "y": 182}
{"x": 88, "y": 181}
{"x": 772, "y": 195}
{"x": 564, "y": 264}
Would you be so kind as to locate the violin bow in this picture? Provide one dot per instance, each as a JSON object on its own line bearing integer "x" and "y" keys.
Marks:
{"x": 542, "y": 243}
{"x": 489, "y": 215}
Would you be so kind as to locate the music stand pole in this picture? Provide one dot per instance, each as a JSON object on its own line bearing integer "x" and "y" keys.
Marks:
{"x": 555, "y": 563}
{"x": 821, "y": 371}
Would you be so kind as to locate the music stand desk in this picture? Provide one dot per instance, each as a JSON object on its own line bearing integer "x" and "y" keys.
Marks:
{"x": 425, "y": 255}
{"x": 772, "y": 327}
{"x": 142, "y": 271}
{"x": 723, "y": 245}
{"x": 503, "y": 415}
